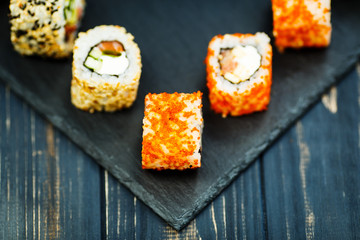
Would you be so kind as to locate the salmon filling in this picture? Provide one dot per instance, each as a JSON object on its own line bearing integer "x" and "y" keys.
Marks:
{"x": 238, "y": 64}
{"x": 107, "y": 57}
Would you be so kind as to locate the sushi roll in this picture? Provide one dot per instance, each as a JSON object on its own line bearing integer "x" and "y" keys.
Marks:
{"x": 172, "y": 129}
{"x": 106, "y": 69}
{"x": 301, "y": 23}
{"x": 45, "y": 27}
{"x": 239, "y": 73}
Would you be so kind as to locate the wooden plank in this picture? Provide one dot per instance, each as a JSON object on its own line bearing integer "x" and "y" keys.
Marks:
{"x": 49, "y": 188}
{"x": 312, "y": 173}
{"x": 234, "y": 214}
{"x": 79, "y": 199}
{"x": 237, "y": 212}
{"x": 12, "y": 173}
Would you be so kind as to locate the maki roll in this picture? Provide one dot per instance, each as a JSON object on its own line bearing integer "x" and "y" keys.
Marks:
{"x": 106, "y": 69}
{"x": 45, "y": 27}
{"x": 301, "y": 23}
{"x": 239, "y": 73}
{"x": 172, "y": 129}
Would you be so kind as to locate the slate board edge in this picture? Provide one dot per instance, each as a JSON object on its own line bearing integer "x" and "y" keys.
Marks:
{"x": 254, "y": 152}
{"x": 177, "y": 222}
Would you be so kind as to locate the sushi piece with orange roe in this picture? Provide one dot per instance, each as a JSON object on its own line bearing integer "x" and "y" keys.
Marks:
{"x": 301, "y": 23}
{"x": 172, "y": 129}
{"x": 239, "y": 73}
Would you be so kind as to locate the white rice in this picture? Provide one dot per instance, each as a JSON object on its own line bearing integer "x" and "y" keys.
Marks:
{"x": 260, "y": 41}
{"x": 91, "y": 38}
{"x": 93, "y": 91}
{"x": 38, "y": 27}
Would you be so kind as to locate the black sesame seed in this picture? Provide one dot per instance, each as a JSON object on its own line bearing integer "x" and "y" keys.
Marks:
{"x": 36, "y": 25}
{"x": 54, "y": 10}
{"x": 56, "y": 28}
{"x": 13, "y": 17}
{"x": 39, "y": 2}
{"x": 31, "y": 13}
{"x": 20, "y": 33}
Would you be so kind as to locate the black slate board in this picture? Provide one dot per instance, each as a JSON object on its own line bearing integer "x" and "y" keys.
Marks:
{"x": 173, "y": 38}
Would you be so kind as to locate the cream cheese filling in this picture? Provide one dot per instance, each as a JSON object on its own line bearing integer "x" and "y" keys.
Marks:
{"x": 113, "y": 65}
{"x": 240, "y": 63}
{"x": 102, "y": 63}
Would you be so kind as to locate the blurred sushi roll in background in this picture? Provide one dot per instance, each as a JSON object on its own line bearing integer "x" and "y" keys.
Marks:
{"x": 172, "y": 129}
{"x": 45, "y": 27}
{"x": 301, "y": 23}
{"x": 106, "y": 69}
{"x": 239, "y": 73}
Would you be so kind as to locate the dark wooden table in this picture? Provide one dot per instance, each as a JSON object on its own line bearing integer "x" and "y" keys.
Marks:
{"x": 306, "y": 185}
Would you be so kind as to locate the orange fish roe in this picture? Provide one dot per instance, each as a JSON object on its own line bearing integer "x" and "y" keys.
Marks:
{"x": 172, "y": 128}
{"x": 301, "y": 23}
{"x": 245, "y": 97}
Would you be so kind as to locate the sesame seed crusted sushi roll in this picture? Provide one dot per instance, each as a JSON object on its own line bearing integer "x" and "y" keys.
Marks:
{"x": 106, "y": 69}
{"x": 239, "y": 73}
{"x": 45, "y": 27}
{"x": 301, "y": 23}
{"x": 172, "y": 128}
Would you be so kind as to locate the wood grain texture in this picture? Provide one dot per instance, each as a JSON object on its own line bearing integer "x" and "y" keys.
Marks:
{"x": 313, "y": 173}
{"x": 237, "y": 213}
{"x": 47, "y": 184}
{"x": 305, "y": 186}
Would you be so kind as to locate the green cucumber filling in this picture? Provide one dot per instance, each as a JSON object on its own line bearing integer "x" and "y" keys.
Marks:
{"x": 107, "y": 57}
{"x": 70, "y": 12}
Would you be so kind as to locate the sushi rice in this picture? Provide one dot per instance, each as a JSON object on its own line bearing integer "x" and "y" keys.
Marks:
{"x": 301, "y": 23}
{"x": 103, "y": 81}
{"x": 245, "y": 87}
{"x": 172, "y": 130}
{"x": 45, "y": 27}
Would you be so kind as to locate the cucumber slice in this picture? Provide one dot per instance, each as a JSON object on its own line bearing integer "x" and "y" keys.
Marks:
{"x": 93, "y": 64}
{"x": 73, "y": 18}
{"x": 95, "y": 53}
{"x": 113, "y": 55}
{"x": 70, "y": 12}
{"x": 67, "y": 3}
